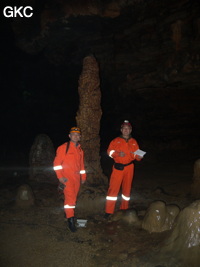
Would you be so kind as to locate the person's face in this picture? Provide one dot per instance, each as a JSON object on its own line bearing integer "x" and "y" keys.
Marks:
{"x": 126, "y": 131}
{"x": 75, "y": 137}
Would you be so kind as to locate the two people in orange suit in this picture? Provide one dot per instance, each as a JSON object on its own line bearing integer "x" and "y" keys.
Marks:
{"x": 69, "y": 168}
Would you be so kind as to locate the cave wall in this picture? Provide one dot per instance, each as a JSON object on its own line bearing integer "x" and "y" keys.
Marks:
{"x": 148, "y": 54}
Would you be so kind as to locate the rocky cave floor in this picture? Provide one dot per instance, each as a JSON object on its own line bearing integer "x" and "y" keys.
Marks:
{"x": 38, "y": 236}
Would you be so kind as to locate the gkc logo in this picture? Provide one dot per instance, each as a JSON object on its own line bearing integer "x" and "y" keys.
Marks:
{"x": 13, "y": 12}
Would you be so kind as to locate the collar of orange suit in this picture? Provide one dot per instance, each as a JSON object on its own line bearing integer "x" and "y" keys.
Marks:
{"x": 126, "y": 139}
{"x": 75, "y": 143}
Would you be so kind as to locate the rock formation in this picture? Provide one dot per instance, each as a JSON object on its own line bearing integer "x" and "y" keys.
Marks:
{"x": 41, "y": 158}
{"x": 129, "y": 217}
{"x": 25, "y": 197}
{"x": 88, "y": 119}
{"x": 159, "y": 217}
{"x": 184, "y": 240}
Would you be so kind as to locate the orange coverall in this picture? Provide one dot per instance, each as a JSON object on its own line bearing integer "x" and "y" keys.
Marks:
{"x": 70, "y": 165}
{"x": 121, "y": 177}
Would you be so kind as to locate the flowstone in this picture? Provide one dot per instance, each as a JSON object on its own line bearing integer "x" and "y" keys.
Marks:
{"x": 184, "y": 240}
{"x": 159, "y": 217}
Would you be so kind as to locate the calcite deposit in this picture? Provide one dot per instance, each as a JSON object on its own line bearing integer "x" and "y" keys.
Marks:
{"x": 159, "y": 217}
{"x": 184, "y": 241}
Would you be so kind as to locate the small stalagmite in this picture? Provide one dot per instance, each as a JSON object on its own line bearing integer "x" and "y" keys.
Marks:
{"x": 88, "y": 119}
{"x": 41, "y": 158}
{"x": 195, "y": 188}
{"x": 24, "y": 197}
{"x": 129, "y": 217}
{"x": 184, "y": 241}
{"x": 160, "y": 217}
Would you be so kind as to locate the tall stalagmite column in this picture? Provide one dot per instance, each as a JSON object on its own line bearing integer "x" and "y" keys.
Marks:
{"x": 88, "y": 119}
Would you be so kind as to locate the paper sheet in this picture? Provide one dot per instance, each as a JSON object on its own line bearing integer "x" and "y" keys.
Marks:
{"x": 140, "y": 152}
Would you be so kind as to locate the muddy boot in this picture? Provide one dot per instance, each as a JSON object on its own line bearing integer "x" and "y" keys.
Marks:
{"x": 107, "y": 216}
{"x": 71, "y": 224}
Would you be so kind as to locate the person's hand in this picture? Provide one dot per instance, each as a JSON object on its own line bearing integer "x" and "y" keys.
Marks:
{"x": 82, "y": 182}
{"x": 121, "y": 154}
{"x": 139, "y": 157}
{"x": 63, "y": 180}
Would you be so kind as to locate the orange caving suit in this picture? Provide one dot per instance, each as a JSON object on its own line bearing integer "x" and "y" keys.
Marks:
{"x": 121, "y": 177}
{"x": 70, "y": 165}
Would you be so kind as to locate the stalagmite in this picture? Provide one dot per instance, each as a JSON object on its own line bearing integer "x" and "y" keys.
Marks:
{"x": 195, "y": 188}
{"x": 129, "y": 217}
{"x": 159, "y": 217}
{"x": 41, "y": 158}
{"x": 88, "y": 119}
{"x": 184, "y": 241}
{"x": 25, "y": 197}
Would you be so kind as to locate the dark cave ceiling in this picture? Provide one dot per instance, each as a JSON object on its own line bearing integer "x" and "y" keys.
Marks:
{"x": 148, "y": 53}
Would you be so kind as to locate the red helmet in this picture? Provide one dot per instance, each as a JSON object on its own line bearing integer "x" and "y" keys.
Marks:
{"x": 126, "y": 123}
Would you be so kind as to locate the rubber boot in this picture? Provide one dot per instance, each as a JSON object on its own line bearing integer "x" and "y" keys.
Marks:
{"x": 107, "y": 215}
{"x": 71, "y": 224}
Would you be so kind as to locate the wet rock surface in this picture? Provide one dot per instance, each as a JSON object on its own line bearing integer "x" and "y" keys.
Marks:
{"x": 159, "y": 217}
{"x": 184, "y": 240}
